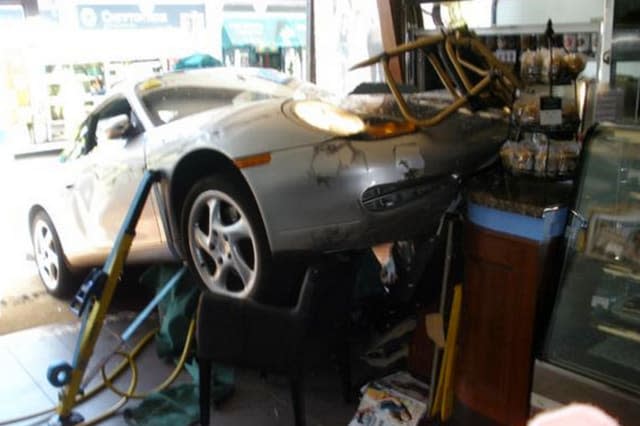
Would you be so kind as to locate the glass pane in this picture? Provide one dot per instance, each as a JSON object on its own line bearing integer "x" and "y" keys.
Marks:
{"x": 595, "y": 329}
{"x": 626, "y": 79}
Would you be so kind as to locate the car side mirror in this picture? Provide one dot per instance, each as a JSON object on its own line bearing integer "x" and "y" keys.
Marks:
{"x": 114, "y": 127}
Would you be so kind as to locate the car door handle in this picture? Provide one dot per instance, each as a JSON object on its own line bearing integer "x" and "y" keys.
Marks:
{"x": 69, "y": 186}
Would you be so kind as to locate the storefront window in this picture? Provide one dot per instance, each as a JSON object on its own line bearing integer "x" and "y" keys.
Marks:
{"x": 268, "y": 35}
{"x": 354, "y": 35}
{"x": 56, "y": 66}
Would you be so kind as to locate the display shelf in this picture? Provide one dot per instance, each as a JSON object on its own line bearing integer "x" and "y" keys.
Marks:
{"x": 581, "y": 27}
{"x": 625, "y": 333}
{"x": 620, "y": 271}
{"x": 553, "y": 157}
{"x": 544, "y": 129}
{"x": 594, "y": 327}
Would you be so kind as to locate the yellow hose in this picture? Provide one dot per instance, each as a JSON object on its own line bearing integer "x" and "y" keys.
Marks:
{"x": 132, "y": 386}
{"x": 107, "y": 381}
{"x": 168, "y": 381}
{"x": 120, "y": 368}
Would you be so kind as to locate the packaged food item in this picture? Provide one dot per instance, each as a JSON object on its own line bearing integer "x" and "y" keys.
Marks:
{"x": 507, "y": 153}
{"x": 552, "y": 63}
{"x": 537, "y": 155}
{"x": 530, "y": 64}
{"x": 573, "y": 64}
{"x": 527, "y": 111}
{"x": 540, "y": 150}
{"x": 564, "y": 65}
{"x": 568, "y": 153}
{"x": 523, "y": 158}
{"x": 518, "y": 157}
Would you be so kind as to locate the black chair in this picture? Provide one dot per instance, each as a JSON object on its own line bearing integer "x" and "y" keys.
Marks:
{"x": 247, "y": 333}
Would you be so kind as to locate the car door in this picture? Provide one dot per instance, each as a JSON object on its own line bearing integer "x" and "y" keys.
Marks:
{"x": 104, "y": 178}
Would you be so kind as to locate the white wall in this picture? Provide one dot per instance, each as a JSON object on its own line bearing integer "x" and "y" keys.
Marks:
{"x": 519, "y": 12}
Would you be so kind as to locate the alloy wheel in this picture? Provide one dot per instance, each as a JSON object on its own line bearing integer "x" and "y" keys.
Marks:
{"x": 223, "y": 244}
{"x": 47, "y": 255}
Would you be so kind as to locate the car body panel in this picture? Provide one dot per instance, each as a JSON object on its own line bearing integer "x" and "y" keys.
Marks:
{"x": 253, "y": 129}
{"x": 310, "y": 195}
{"x": 88, "y": 197}
{"x": 327, "y": 179}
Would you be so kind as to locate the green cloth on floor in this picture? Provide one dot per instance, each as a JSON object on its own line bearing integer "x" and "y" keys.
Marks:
{"x": 175, "y": 310}
{"x": 178, "y": 404}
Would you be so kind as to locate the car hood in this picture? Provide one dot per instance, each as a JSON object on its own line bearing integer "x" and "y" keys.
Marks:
{"x": 249, "y": 128}
{"x": 464, "y": 139}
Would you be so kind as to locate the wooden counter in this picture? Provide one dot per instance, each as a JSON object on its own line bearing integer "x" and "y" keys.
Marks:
{"x": 512, "y": 247}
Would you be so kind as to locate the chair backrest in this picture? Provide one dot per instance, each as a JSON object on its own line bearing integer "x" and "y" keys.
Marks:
{"x": 247, "y": 332}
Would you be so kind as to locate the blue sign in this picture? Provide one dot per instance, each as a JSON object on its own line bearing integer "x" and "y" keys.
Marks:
{"x": 146, "y": 15}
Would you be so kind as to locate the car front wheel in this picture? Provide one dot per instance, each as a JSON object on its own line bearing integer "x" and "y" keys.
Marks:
{"x": 50, "y": 260}
{"x": 224, "y": 238}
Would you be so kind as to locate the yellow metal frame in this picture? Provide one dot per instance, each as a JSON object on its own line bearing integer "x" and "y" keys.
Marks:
{"x": 94, "y": 318}
{"x": 495, "y": 76}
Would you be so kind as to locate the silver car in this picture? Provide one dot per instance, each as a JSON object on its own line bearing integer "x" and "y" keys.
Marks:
{"x": 254, "y": 165}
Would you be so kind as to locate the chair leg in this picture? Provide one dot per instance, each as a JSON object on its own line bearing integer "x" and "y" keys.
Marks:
{"x": 344, "y": 369}
{"x": 297, "y": 399}
{"x": 204, "y": 376}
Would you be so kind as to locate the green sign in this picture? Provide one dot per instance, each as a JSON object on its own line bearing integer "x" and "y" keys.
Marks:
{"x": 264, "y": 34}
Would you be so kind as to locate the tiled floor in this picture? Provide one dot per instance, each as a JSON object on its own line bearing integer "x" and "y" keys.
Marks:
{"x": 25, "y": 356}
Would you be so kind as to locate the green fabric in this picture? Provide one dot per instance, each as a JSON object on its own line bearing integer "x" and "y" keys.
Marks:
{"x": 178, "y": 404}
{"x": 175, "y": 310}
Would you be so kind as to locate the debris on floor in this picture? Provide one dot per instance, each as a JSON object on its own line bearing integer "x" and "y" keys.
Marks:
{"x": 391, "y": 346}
{"x": 396, "y": 399}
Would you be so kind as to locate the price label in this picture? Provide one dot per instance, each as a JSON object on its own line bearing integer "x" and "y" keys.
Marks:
{"x": 550, "y": 111}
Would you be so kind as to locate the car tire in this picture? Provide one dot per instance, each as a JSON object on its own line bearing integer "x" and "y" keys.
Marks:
{"x": 50, "y": 259}
{"x": 224, "y": 239}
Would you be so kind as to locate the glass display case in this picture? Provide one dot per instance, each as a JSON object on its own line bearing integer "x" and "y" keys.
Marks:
{"x": 595, "y": 327}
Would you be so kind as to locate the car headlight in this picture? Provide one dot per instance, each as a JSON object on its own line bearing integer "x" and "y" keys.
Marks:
{"x": 330, "y": 118}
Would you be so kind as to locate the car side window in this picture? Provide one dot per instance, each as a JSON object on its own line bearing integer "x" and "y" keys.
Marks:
{"x": 81, "y": 142}
{"x": 116, "y": 121}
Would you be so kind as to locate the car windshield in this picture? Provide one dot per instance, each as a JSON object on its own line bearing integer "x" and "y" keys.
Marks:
{"x": 178, "y": 95}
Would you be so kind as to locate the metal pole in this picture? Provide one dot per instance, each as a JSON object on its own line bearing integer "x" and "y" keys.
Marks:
{"x": 311, "y": 41}
{"x": 443, "y": 300}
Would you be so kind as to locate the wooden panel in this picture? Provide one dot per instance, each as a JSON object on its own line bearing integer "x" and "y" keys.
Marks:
{"x": 421, "y": 348}
{"x": 388, "y": 11}
{"x": 494, "y": 365}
